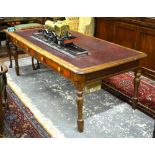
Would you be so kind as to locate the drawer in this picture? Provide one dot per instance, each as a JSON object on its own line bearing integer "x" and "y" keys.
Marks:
{"x": 65, "y": 72}
{"x": 32, "y": 52}
{"x": 40, "y": 58}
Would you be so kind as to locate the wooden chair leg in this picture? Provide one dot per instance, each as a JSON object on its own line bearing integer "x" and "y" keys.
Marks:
{"x": 15, "y": 55}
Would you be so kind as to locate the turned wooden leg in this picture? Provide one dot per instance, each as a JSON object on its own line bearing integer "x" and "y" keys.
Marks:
{"x": 136, "y": 86}
{"x": 16, "y": 60}
{"x": 80, "y": 101}
{"x": 33, "y": 65}
{"x": 9, "y": 53}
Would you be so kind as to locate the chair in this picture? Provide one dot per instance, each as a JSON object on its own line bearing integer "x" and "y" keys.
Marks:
{"x": 3, "y": 96}
{"x": 85, "y": 25}
{"x": 15, "y": 51}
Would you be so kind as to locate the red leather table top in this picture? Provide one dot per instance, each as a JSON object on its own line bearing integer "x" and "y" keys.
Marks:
{"x": 102, "y": 52}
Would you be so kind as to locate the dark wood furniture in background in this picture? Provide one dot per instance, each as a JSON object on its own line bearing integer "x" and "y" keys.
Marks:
{"x": 136, "y": 33}
{"x": 3, "y": 96}
{"x": 105, "y": 59}
{"x": 6, "y": 22}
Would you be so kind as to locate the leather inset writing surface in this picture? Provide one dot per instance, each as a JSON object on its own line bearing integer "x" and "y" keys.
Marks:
{"x": 101, "y": 51}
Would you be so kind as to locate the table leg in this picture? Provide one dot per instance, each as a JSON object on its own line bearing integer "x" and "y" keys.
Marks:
{"x": 38, "y": 65}
{"x": 80, "y": 101}
{"x": 9, "y": 53}
{"x": 33, "y": 65}
{"x": 136, "y": 86}
{"x": 16, "y": 60}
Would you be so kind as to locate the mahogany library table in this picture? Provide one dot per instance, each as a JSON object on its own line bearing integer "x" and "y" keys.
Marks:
{"x": 86, "y": 72}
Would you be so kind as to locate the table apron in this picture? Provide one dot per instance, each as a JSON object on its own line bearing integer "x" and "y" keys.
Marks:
{"x": 99, "y": 75}
{"x": 47, "y": 61}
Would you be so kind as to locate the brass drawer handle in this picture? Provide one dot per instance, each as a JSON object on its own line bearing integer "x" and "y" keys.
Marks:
{"x": 59, "y": 69}
{"x": 42, "y": 58}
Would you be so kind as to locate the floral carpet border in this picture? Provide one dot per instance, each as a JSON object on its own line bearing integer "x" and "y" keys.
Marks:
{"x": 13, "y": 121}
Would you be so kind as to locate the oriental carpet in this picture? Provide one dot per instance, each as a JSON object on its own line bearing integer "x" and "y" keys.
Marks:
{"x": 19, "y": 120}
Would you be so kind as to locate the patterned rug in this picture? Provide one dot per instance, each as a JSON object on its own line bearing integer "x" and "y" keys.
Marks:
{"x": 19, "y": 120}
{"x": 124, "y": 83}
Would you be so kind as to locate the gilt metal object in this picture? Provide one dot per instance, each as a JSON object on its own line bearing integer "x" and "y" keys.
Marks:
{"x": 57, "y": 36}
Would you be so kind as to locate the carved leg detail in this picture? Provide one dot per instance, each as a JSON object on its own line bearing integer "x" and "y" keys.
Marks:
{"x": 136, "y": 86}
{"x": 79, "y": 101}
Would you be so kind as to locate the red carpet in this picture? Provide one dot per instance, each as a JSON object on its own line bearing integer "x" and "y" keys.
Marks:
{"x": 19, "y": 121}
{"x": 124, "y": 83}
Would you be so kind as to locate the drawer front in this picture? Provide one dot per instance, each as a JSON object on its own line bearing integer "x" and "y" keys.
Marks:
{"x": 65, "y": 72}
{"x": 40, "y": 58}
